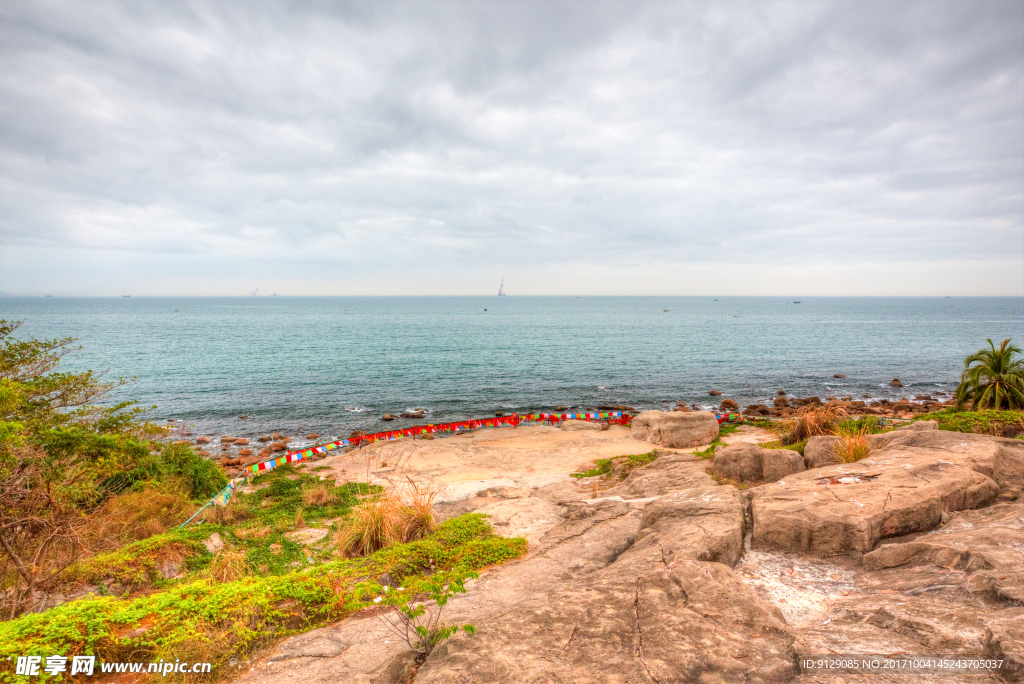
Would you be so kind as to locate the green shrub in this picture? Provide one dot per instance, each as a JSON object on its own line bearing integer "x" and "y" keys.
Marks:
{"x": 212, "y": 622}
{"x": 988, "y": 422}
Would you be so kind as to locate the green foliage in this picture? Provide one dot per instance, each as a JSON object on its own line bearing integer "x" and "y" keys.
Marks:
{"x": 868, "y": 425}
{"x": 988, "y": 422}
{"x": 727, "y": 429}
{"x": 137, "y": 564}
{"x": 211, "y": 622}
{"x": 992, "y": 378}
{"x": 419, "y": 624}
{"x": 279, "y": 495}
{"x": 604, "y": 466}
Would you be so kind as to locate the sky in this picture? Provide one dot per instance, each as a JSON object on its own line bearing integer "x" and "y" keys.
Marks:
{"x": 569, "y": 148}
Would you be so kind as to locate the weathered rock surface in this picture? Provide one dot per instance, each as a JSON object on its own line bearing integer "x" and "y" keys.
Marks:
{"x": 675, "y": 429}
{"x": 657, "y": 613}
{"x": 669, "y": 473}
{"x": 905, "y": 487}
{"x": 747, "y": 462}
{"x": 820, "y": 452}
{"x": 920, "y": 426}
{"x": 580, "y": 425}
{"x": 988, "y": 543}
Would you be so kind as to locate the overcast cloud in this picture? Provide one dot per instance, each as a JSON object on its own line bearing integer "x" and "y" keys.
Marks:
{"x": 804, "y": 147}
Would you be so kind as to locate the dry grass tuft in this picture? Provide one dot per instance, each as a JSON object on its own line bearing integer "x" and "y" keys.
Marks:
{"x": 300, "y": 520}
{"x": 228, "y": 566}
{"x": 403, "y": 513}
{"x": 852, "y": 448}
{"x": 820, "y": 421}
{"x": 419, "y": 511}
{"x": 317, "y": 495}
{"x": 139, "y": 515}
{"x": 372, "y": 525}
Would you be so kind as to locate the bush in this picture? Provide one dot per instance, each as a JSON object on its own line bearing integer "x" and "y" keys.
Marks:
{"x": 852, "y": 448}
{"x": 987, "y": 422}
{"x": 213, "y": 622}
{"x": 820, "y": 421}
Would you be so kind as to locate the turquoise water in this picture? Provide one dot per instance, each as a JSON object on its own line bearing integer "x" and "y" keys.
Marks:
{"x": 334, "y": 364}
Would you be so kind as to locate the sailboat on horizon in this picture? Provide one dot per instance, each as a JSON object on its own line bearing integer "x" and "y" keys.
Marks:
{"x": 501, "y": 288}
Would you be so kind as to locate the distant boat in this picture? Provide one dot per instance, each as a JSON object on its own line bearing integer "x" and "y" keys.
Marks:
{"x": 501, "y": 288}
{"x": 796, "y": 302}
{"x": 126, "y": 295}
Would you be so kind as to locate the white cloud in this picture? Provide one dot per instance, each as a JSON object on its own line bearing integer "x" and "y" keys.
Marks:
{"x": 850, "y": 148}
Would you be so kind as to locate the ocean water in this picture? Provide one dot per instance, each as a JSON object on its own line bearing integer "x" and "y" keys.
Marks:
{"x": 334, "y": 364}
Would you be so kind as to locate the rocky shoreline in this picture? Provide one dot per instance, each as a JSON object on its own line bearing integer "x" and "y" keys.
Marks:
{"x": 669, "y": 575}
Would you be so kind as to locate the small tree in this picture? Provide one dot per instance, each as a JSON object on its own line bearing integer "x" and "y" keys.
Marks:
{"x": 419, "y": 624}
{"x": 62, "y": 457}
{"x": 992, "y": 378}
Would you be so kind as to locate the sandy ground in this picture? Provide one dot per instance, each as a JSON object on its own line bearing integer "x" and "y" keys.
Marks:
{"x": 465, "y": 466}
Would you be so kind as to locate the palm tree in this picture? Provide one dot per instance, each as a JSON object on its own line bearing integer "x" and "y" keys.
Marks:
{"x": 992, "y": 378}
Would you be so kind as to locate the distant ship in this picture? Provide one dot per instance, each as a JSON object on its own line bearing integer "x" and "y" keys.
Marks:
{"x": 501, "y": 288}
{"x": 126, "y": 295}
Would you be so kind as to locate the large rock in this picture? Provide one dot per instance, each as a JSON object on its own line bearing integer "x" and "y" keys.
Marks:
{"x": 658, "y": 613}
{"x": 820, "y": 451}
{"x": 669, "y": 473}
{"x": 920, "y": 426}
{"x": 1000, "y": 458}
{"x": 848, "y": 508}
{"x": 985, "y": 542}
{"x": 675, "y": 429}
{"x": 575, "y": 425}
{"x": 746, "y": 462}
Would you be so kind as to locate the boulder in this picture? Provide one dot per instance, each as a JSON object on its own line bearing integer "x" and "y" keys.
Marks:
{"x": 213, "y": 543}
{"x": 781, "y": 402}
{"x": 715, "y": 393}
{"x": 312, "y": 435}
{"x": 820, "y": 451}
{"x": 245, "y": 452}
{"x": 204, "y": 453}
{"x": 758, "y": 410}
{"x": 896, "y": 382}
{"x": 202, "y": 440}
{"x": 265, "y": 438}
{"x": 675, "y": 429}
{"x": 729, "y": 405}
{"x": 838, "y": 375}
{"x": 669, "y": 473}
{"x": 920, "y": 426}
{"x": 181, "y": 441}
{"x": 226, "y": 439}
{"x": 576, "y": 425}
{"x": 781, "y": 393}
{"x": 746, "y": 462}
{"x": 388, "y": 416}
{"x": 278, "y": 446}
{"x": 984, "y": 542}
{"x": 848, "y": 508}
{"x": 241, "y": 441}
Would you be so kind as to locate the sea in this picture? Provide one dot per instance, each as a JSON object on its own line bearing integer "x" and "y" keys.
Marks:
{"x": 331, "y": 365}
